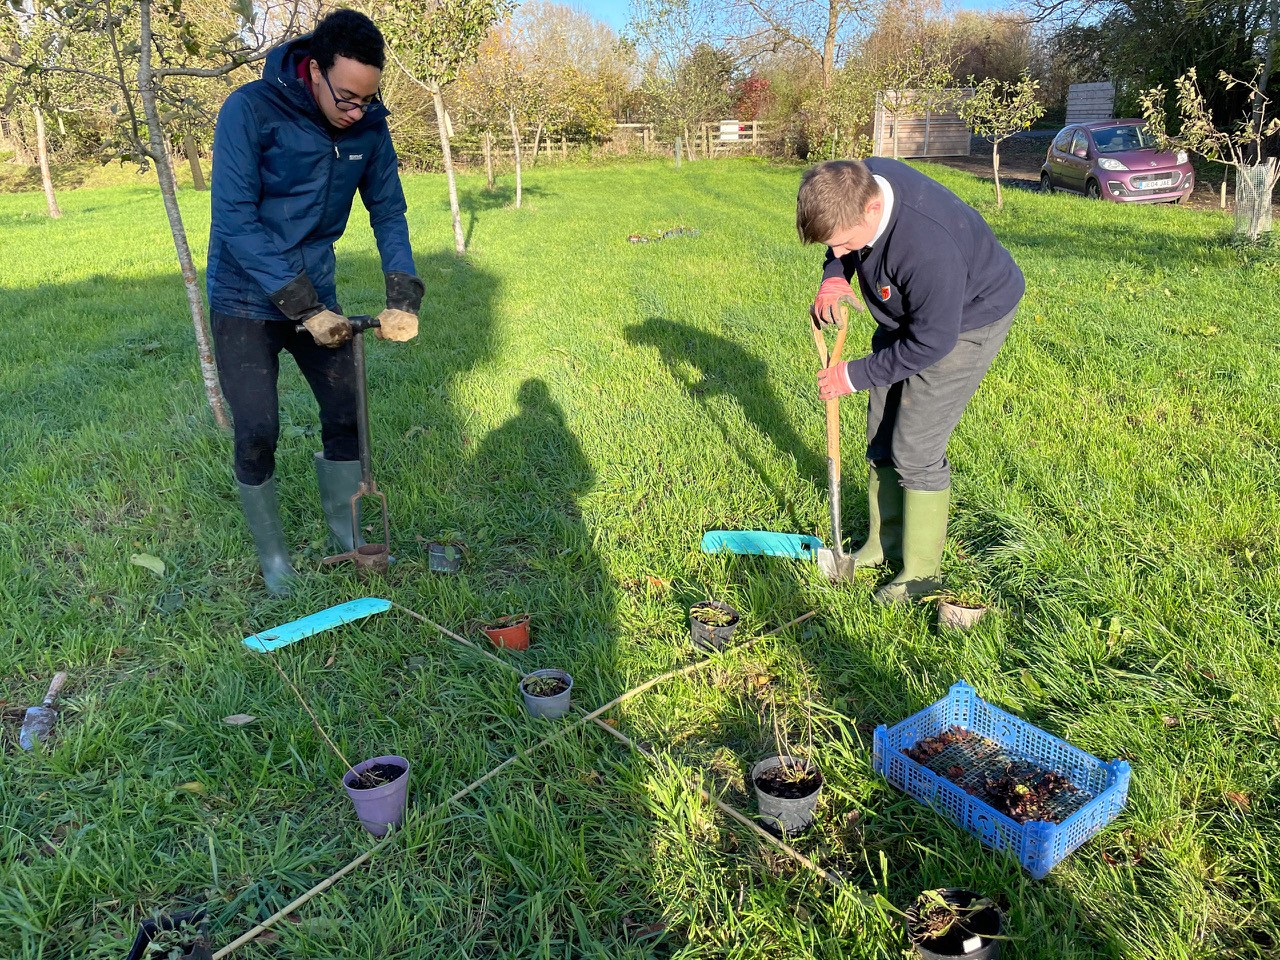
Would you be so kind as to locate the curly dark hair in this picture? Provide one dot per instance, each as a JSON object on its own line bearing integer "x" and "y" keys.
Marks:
{"x": 350, "y": 34}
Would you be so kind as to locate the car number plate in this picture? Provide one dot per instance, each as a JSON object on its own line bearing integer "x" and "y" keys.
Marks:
{"x": 1156, "y": 184}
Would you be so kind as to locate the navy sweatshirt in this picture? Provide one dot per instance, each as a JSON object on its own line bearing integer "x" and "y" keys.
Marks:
{"x": 937, "y": 270}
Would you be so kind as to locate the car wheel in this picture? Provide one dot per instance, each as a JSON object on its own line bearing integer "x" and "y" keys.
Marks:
{"x": 1093, "y": 190}
{"x": 1046, "y": 182}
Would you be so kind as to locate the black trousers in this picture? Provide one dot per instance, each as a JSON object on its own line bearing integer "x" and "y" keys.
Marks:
{"x": 247, "y": 352}
{"x": 910, "y": 422}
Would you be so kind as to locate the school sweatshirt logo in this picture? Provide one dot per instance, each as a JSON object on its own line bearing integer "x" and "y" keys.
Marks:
{"x": 886, "y": 292}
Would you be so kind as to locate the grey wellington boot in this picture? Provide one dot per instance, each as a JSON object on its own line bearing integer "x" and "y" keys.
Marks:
{"x": 924, "y": 534}
{"x": 262, "y": 513}
{"x": 884, "y": 506}
{"x": 338, "y": 481}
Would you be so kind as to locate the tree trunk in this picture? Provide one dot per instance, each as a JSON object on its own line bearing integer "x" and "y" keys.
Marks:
{"x": 193, "y": 158}
{"x": 42, "y": 151}
{"x": 829, "y": 42}
{"x": 437, "y": 98}
{"x": 537, "y": 142}
{"x": 488, "y": 157}
{"x": 1259, "y": 97}
{"x": 515, "y": 140}
{"x": 164, "y": 171}
{"x": 995, "y": 169}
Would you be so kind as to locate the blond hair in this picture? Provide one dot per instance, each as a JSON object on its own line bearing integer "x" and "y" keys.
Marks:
{"x": 833, "y": 196}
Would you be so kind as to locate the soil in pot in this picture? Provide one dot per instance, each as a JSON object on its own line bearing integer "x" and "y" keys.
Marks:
{"x": 959, "y": 616}
{"x": 544, "y": 687}
{"x": 954, "y": 923}
{"x": 380, "y": 805}
{"x": 377, "y": 775}
{"x": 1018, "y": 788}
{"x": 789, "y": 783}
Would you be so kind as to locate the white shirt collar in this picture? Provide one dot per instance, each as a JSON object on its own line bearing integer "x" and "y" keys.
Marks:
{"x": 887, "y": 190}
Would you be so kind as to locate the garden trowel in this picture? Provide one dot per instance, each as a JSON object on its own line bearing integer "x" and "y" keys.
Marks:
{"x": 40, "y": 720}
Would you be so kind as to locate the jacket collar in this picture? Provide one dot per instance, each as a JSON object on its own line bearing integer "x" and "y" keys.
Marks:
{"x": 281, "y": 75}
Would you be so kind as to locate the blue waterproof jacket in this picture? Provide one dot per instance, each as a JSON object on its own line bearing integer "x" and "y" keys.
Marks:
{"x": 283, "y": 184}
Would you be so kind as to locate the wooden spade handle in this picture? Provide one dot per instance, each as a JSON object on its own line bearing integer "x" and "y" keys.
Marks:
{"x": 55, "y": 687}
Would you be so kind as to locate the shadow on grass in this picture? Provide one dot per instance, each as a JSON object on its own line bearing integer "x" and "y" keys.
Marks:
{"x": 725, "y": 368}
{"x": 501, "y": 196}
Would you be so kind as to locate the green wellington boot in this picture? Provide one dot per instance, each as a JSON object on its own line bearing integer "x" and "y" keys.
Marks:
{"x": 262, "y": 513}
{"x": 924, "y": 533}
{"x": 884, "y": 505}
{"x": 338, "y": 481}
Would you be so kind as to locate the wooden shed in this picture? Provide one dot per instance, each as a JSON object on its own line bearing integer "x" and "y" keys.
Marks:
{"x": 929, "y": 133}
{"x": 1090, "y": 101}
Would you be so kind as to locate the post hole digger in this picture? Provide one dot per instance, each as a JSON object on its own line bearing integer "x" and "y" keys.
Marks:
{"x": 832, "y": 561}
{"x": 368, "y": 557}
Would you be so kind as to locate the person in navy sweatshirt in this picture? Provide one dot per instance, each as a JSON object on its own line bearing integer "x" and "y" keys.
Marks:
{"x": 290, "y": 152}
{"x": 943, "y": 293}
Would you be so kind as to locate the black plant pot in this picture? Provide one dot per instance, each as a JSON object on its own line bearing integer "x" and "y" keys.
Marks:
{"x": 709, "y": 638}
{"x": 197, "y": 948}
{"x": 978, "y": 939}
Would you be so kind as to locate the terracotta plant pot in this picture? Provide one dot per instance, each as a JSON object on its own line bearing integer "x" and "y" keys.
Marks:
{"x": 510, "y": 632}
{"x": 957, "y": 616}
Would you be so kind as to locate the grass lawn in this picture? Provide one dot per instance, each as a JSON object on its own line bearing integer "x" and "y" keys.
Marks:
{"x": 579, "y": 410}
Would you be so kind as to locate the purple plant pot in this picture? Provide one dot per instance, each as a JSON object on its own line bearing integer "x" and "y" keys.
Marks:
{"x": 379, "y": 808}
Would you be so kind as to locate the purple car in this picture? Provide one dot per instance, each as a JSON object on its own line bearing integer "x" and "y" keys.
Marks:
{"x": 1115, "y": 160}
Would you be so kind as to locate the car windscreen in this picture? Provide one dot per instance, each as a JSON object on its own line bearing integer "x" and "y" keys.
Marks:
{"x": 1122, "y": 137}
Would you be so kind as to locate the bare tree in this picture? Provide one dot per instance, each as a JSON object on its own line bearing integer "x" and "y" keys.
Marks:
{"x": 997, "y": 111}
{"x": 1240, "y": 146}
{"x": 138, "y": 51}
{"x": 823, "y": 29}
{"x": 432, "y": 44}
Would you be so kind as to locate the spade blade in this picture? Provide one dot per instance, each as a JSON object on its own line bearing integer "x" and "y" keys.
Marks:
{"x": 36, "y": 726}
{"x": 40, "y": 720}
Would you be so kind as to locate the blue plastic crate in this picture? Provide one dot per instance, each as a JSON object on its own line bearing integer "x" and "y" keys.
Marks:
{"x": 1038, "y": 845}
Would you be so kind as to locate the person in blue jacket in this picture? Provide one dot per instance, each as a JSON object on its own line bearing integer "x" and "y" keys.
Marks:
{"x": 943, "y": 293}
{"x": 290, "y": 152}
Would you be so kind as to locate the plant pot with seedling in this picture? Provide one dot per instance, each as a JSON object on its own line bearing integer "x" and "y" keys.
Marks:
{"x": 511, "y": 632}
{"x": 949, "y": 922}
{"x": 711, "y": 624}
{"x": 787, "y": 790}
{"x": 378, "y": 788}
{"x": 962, "y": 609}
{"x": 445, "y": 556}
{"x": 546, "y": 693}
{"x": 787, "y": 786}
{"x": 177, "y": 936}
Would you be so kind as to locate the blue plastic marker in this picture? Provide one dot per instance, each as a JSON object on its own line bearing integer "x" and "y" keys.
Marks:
{"x": 267, "y": 640}
{"x": 762, "y": 543}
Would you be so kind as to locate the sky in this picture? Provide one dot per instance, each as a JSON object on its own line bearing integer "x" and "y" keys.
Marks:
{"x": 616, "y": 12}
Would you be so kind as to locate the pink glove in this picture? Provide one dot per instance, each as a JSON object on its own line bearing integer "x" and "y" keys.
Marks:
{"x": 827, "y": 306}
{"x": 834, "y": 382}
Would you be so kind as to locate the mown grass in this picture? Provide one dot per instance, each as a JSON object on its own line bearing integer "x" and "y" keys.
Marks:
{"x": 580, "y": 409}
